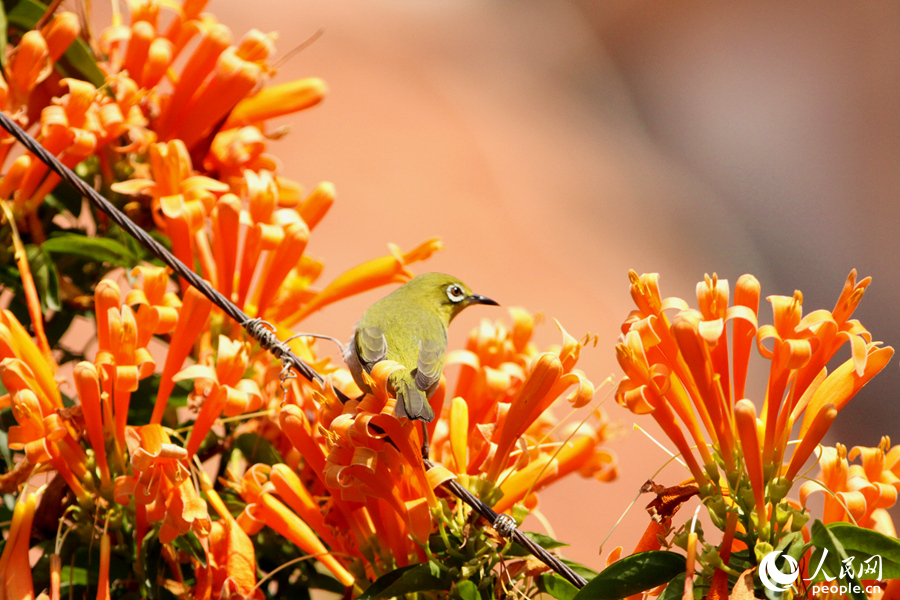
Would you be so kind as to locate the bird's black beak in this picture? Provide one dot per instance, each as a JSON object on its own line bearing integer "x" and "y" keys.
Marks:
{"x": 477, "y": 299}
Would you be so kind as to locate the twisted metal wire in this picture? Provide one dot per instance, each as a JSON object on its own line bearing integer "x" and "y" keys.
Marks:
{"x": 506, "y": 526}
{"x": 267, "y": 339}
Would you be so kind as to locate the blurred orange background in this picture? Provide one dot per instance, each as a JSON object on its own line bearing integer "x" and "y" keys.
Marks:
{"x": 555, "y": 145}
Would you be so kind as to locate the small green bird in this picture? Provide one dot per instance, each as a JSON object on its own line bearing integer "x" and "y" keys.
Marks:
{"x": 409, "y": 326}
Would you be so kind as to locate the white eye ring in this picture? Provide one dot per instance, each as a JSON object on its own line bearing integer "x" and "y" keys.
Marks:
{"x": 455, "y": 293}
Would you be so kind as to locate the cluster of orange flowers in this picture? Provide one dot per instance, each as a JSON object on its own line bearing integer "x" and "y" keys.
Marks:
{"x": 170, "y": 115}
{"x": 690, "y": 376}
{"x": 182, "y": 139}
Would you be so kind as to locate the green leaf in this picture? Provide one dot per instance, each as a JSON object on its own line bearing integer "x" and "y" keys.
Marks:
{"x": 78, "y": 62}
{"x": 25, "y": 14}
{"x": 406, "y": 580}
{"x": 4, "y": 25}
{"x": 72, "y": 576}
{"x": 96, "y": 249}
{"x": 633, "y": 574}
{"x": 434, "y": 568}
{"x": 556, "y": 586}
{"x": 52, "y": 282}
{"x": 321, "y": 581}
{"x": 823, "y": 538}
{"x": 258, "y": 449}
{"x": 64, "y": 199}
{"x": 45, "y": 277}
{"x": 5, "y": 451}
{"x": 144, "y": 398}
{"x": 865, "y": 543}
{"x": 57, "y": 325}
{"x": 466, "y": 590}
{"x": 582, "y": 570}
{"x": 675, "y": 589}
{"x": 544, "y": 541}
{"x": 190, "y": 544}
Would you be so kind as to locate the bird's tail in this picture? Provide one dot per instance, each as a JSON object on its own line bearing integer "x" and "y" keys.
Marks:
{"x": 411, "y": 402}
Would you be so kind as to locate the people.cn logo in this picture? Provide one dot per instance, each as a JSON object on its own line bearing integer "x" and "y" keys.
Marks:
{"x": 772, "y": 577}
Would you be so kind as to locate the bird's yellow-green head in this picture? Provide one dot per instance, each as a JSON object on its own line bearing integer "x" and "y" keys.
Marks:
{"x": 409, "y": 326}
{"x": 443, "y": 294}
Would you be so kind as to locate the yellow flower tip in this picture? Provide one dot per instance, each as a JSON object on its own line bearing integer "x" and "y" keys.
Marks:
{"x": 712, "y": 297}
{"x": 645, "y": 291}
{"x": 314, "y": 207}
{"x": 60, "y": 32}
{"x": 850, "y": 297}
{"x": 423, "y": 251}
{"x": 459, "y": 433}
{"x": 256, "y": 46}
{"x": 523, "y": 327}
{"x": 278, "y": 100}
{"x": 159, "y": 57}
{"x": 571, "y": 348}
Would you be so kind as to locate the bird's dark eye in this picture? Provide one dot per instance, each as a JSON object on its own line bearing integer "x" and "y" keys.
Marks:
{"x": 455, "y": 293}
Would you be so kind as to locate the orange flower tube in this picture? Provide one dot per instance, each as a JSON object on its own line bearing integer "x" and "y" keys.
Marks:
{"x": 60, "y": 32}
{"x": 277, "y": 516}
{"x": 278, "y": 100}
{"x": 87, "y": 382}
{"x": 745, "y": 417}
{"x": 15, "y": 570}
{"x": 544, "y": 373}
{"x": 367, "y": 276}
{"x": 820, "y": 425}
{"x": 191, "y": 319}
{"x": 103, "y": 571}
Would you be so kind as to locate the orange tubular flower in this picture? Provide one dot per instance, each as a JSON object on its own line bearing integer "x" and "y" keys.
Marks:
{"x": 123, "y": 361}
{"x": 35, "y": 370}
{"x": 103, "y": 578}
{"x": 232, "y": 556}
{"x": 27, "y": 65}
{"x": 70, "y": 130}
{"x": 266, "y": 508}
{"x": 157, "y": 309}
{"x": 361, "y": 462}
{"x": 45, "y": 436}
{"x": 87, "y": 382}
{"x": 15, "y": 572}
{"x": 685, "y": 365}
{"x": 162, "y": 484}
{"x": 192, "y": 318}
{"x": 861, "y": 492}
{"x": 503, "y": 396}
{"x": 233, "y": 79}
{"x": 362, "y": 278}
{"x": 745, "y": 420}
{"x": 60, "y": 32}
{"x": 181, "y": 200}
{"x": 224, "y": 389}
{"x": 278, "y": 100}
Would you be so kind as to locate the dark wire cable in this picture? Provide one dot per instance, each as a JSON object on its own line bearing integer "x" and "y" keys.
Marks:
{"x": 500, "y": 522}
{"x": 265, "y": 337}
{"x": 256, "y": 328}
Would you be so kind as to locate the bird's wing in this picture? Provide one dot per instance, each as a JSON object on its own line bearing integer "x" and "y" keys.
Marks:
{"x": 411, "y": 402}
{"x": 429, "y": 365}
{"x": 371, "y": 345}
